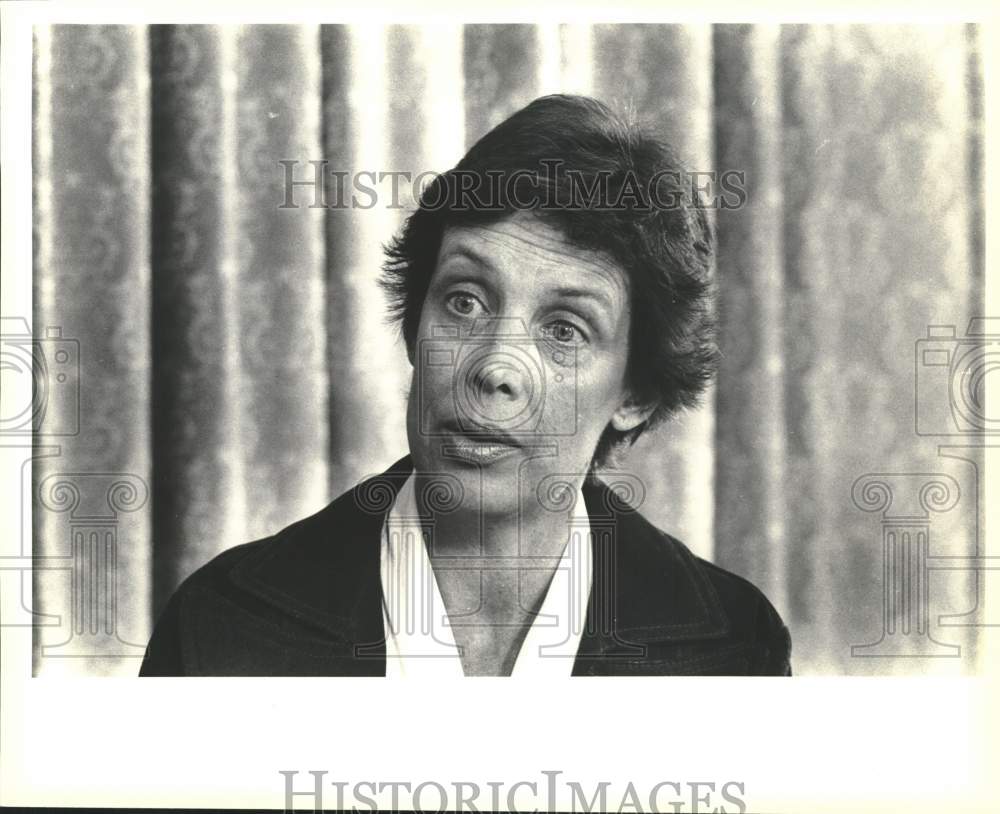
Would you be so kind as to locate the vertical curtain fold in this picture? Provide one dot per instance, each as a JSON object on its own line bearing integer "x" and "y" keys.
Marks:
{"x": 367, "y": 367}
{"x": 501, "y": 65}
{"x": 199, "y": 502}
{"x": 239, "y": 370}
{"x": 875, "y": 249}
{"x": 664, "y": 74}
{"x": 93, "y": 286}
{"x": 749, "y": 476}
{"x": 281, "y": 279}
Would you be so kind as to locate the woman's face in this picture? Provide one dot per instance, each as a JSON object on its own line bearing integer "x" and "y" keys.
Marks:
{"x": 519, "y": 362}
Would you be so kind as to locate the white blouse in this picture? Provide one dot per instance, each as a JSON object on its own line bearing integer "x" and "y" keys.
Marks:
{"x": 419, "y": 639}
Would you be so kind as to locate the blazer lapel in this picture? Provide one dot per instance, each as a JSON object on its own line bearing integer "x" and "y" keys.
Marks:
{"x": 324, "y": 570}
{"x": 647, "y": 589}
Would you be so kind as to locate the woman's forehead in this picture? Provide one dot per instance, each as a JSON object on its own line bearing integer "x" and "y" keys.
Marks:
{"x": 520, "y": 248}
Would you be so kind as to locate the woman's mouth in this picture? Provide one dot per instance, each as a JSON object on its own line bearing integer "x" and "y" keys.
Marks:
{"x": 480, "y": 449}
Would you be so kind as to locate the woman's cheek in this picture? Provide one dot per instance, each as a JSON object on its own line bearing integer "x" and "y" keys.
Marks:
{"x": 569, "y": 399}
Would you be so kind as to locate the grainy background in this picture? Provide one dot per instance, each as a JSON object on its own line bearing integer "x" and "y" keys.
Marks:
{"x": 234, "y": 358}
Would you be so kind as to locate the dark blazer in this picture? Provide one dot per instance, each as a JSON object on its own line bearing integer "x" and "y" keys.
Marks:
{"x": 307, "y": 601}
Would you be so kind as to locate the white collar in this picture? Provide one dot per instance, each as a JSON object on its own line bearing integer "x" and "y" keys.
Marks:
{"x": 419, "y": 640}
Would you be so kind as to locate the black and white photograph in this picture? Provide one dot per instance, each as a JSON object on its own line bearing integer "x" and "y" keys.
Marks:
{"x": 344, "y": 347}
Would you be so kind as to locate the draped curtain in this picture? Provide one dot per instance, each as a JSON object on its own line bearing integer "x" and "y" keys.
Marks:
{"x": 235, "y": 368}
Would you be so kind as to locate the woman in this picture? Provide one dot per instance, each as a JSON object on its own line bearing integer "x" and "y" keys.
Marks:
{"x": 554, "y": 295}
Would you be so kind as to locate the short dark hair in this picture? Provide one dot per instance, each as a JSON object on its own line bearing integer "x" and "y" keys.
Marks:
{"x": 664, "y": 248}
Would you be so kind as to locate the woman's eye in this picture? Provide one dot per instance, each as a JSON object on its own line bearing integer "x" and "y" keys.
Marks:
{"x": 563, "y": 332}
{"x": 461, "y": 303}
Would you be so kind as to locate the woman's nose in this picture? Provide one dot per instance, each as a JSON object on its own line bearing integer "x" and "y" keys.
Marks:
{"x": 503, "y": 374}
{"x": 499, "y": 375}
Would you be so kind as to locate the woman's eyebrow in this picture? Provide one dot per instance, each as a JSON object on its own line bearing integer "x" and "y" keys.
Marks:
{"x": 584, "y": 294}
{"x": 468, "y": 254}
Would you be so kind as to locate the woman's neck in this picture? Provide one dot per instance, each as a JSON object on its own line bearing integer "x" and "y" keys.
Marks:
{"x": 494, "y": 567}
{"x": 528, "y": 530}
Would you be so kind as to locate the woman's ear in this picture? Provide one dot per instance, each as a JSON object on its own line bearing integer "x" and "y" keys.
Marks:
{"x": 631, "y": 414}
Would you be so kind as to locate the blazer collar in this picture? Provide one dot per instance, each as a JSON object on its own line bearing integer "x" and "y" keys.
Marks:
{"x": 324, "y": 572}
